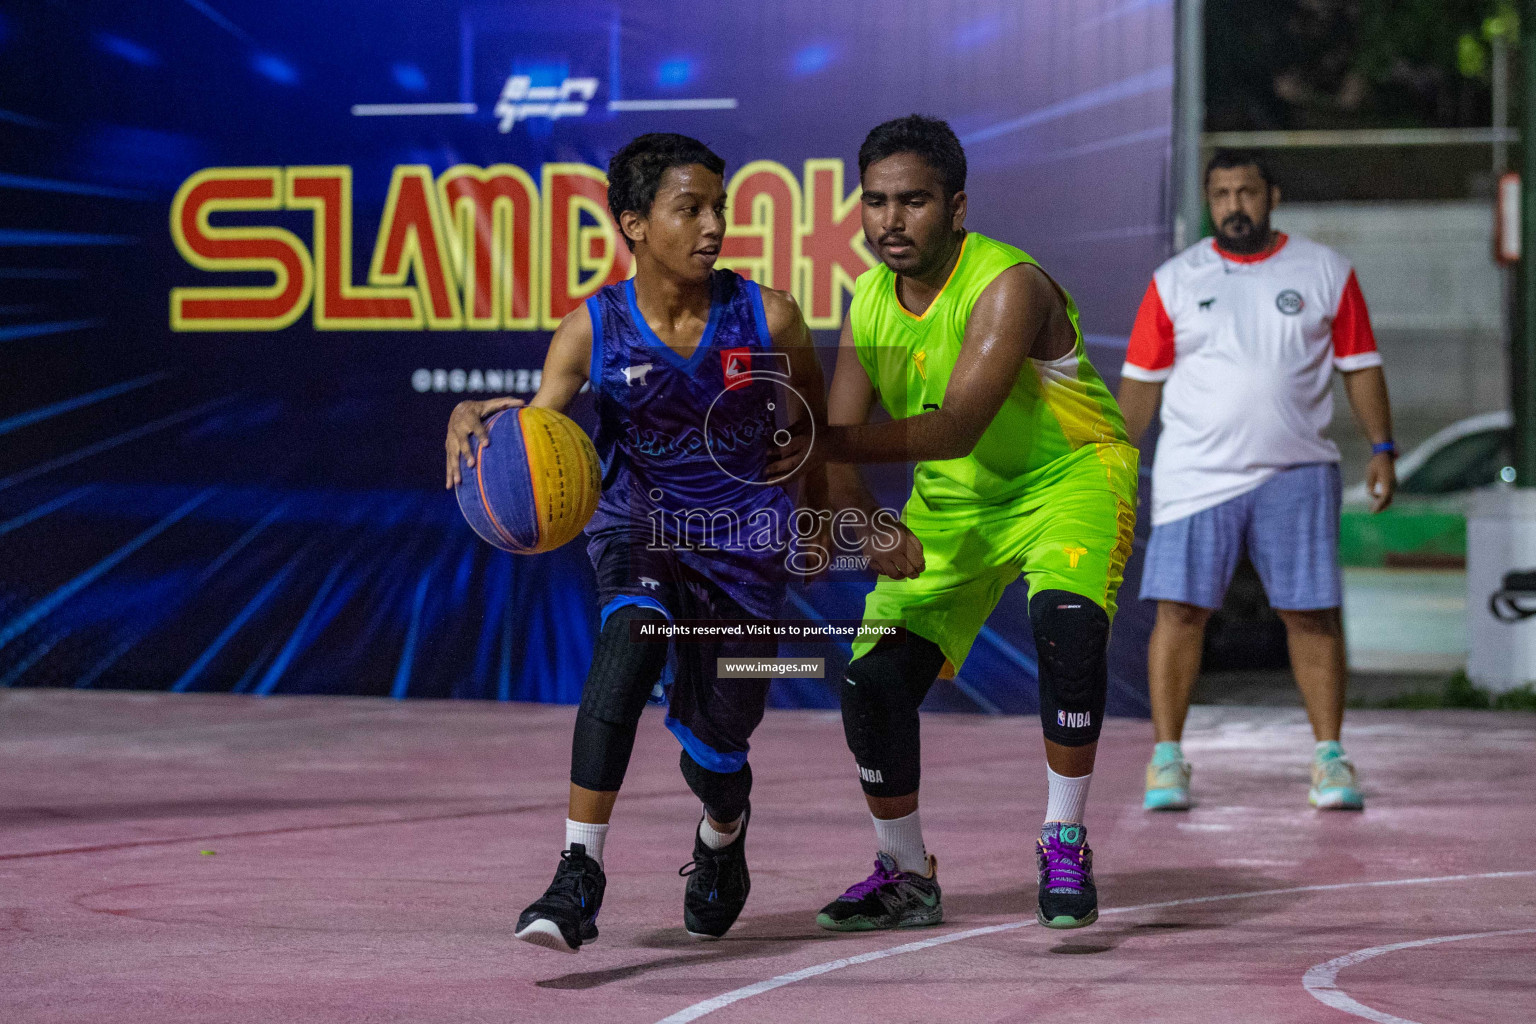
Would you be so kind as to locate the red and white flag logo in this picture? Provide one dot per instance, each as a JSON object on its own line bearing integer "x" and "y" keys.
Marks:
{"x": 737, "y": 365}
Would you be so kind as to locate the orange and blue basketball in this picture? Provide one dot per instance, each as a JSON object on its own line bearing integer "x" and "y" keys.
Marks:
{"x": 536, "y": 485}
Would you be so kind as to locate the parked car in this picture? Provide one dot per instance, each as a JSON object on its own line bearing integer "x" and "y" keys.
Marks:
{"x": 1426, "y": 524}
{"x": 1424, "y": 527}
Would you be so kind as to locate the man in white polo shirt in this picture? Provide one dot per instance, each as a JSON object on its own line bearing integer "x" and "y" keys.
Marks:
{"x": 1239, "y": 335}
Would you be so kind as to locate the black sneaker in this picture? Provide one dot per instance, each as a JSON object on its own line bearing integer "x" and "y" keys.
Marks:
{"x": 1068, "y": 898}
{"x": 566, "y": 915}
{"x": 718, "y": 884}
{"x": 887, "y": 899}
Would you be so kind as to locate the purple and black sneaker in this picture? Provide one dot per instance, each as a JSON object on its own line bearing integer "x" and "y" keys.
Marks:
{"x": 1068, "y": 898}
{"x": 887, "y": 899}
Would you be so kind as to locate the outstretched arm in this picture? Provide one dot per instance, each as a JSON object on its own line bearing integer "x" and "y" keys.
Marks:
{"x": 896, "y": 553}
{"x": 565, "y": 371}
{"x": 853, "y": 395}
{"x": 1010, "y": 322}
{"x": 567, "y": 364}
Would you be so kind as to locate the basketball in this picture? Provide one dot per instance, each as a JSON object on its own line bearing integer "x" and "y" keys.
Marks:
{"x": 537, "y": 484}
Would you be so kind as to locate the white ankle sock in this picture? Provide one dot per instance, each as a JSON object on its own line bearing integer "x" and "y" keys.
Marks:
{"x": 718, "y": 840}
{"x": 1067, "y": 798}
{"x": 902, "y": 838}
{"x": 589, "y": 835}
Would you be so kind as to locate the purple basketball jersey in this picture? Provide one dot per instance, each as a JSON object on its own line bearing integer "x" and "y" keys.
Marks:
{"x": 684, "y": 442}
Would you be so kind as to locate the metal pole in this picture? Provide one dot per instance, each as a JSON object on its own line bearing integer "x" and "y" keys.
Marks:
{"x": 1500, "y": 84}
{"x": 1522, "y": 350}
{"x": 1189, "y": 121}
{"x": 1499, "y": 42}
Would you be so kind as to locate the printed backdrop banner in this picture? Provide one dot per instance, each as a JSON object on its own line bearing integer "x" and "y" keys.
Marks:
{"x": 253, "y": 251}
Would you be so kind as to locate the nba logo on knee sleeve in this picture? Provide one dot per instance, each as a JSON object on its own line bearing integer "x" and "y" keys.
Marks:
{"x": 1074, "y": 719}
{"x": 870, "y": 774}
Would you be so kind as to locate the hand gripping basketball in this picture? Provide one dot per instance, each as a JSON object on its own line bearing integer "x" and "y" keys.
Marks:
{"x": 534, "y": 486}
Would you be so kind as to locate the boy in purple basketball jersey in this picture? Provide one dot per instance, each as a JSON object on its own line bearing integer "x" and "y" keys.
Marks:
{"x": 683, "y": 361}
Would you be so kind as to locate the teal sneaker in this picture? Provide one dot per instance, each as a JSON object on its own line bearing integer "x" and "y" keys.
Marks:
{"x": 1334, "y": 787}
{"x": 1167, "y": 785}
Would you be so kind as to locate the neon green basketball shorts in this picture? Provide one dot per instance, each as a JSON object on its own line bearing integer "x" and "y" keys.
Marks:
{"x": 1071, "y": 531}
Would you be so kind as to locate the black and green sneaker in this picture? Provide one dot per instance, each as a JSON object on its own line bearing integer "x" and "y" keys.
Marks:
{"x": 566, "y": 915}
{"x": 718, "y": 884}
{"x": 887, "y": 899}
{"x": 1068, "y": 897}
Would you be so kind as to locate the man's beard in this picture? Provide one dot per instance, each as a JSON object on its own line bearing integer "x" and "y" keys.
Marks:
{"x": 1252, "y": 240}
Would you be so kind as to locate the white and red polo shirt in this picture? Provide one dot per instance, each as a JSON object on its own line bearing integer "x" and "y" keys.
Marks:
{"x": 1245, "y": 347}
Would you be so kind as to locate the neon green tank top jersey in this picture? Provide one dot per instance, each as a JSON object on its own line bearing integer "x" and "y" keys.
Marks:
{"x": 1055, "y": 410}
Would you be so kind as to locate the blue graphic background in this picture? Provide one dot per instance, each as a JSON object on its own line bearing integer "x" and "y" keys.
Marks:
{"x": 262, "y": 512}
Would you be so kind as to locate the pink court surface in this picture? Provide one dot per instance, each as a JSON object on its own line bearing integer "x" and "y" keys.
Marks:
{"x": 210, "y": 858}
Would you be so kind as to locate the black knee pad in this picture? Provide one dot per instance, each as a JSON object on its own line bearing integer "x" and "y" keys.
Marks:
{"x": 623, "y": 671}
{"x": 1071, "y": 640}
{"x": 724, "y": 794}
{"x": 618, "y": 684}
{"x": 880, "y": 698}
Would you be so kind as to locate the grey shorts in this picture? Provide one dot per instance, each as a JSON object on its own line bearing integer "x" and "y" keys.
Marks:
{"x": 1289, "y": 527}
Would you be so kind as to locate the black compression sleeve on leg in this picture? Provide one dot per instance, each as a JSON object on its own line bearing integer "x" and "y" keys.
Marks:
{"x": 724, "y": 794}
{"x": 1071, "y": 640}
{"x": 618, "y": 684}
{"x": 880, "y": 699}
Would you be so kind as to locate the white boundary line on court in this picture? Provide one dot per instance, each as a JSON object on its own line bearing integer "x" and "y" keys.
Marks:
{"x": 697, "y": 1010}
{"x": 1319, "y": 979}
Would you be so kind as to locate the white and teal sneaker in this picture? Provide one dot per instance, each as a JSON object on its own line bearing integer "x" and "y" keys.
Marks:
{"x": 1167, "y": 780}
{"x": 1333, "y": 780}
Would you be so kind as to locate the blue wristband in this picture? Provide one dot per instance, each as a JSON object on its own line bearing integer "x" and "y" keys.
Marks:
{"x": 1384, "y": 448}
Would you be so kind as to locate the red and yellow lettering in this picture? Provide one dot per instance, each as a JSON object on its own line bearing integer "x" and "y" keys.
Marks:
{"x": 341, "y": 305}
{"x": 470, "y": 253}
{"x": 227, "y": 249}
{"x": 412, "y": 242}
{"x": 831, "y": 244}
{"x": 579, "y": 259}
{"x": 764, "y": 200}
{"x": 491, "y": 215}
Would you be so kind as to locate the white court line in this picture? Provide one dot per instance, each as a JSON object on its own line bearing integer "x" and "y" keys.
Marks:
{"x": 1319, "y": 979}
{"x": 411, "y": 109}
{"x": 725, "y": 999}
{"x": 618, "y": 106}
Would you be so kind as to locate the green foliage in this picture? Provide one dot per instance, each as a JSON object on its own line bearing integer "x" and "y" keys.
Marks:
{"x": 1472, "y": 49}
{"x": 1471, "y": 56}
{"x": 1459, "y": 692}
{"x": 1521, "y": 699}
{"x": 1505, "y": 24}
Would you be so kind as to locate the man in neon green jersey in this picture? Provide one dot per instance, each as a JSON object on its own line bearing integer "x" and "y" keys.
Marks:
{"x": 1023, "y": 466}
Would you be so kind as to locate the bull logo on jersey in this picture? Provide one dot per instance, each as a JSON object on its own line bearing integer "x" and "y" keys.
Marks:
{"x": 636, "y": 374}
{"x": 1289, "y": 302}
